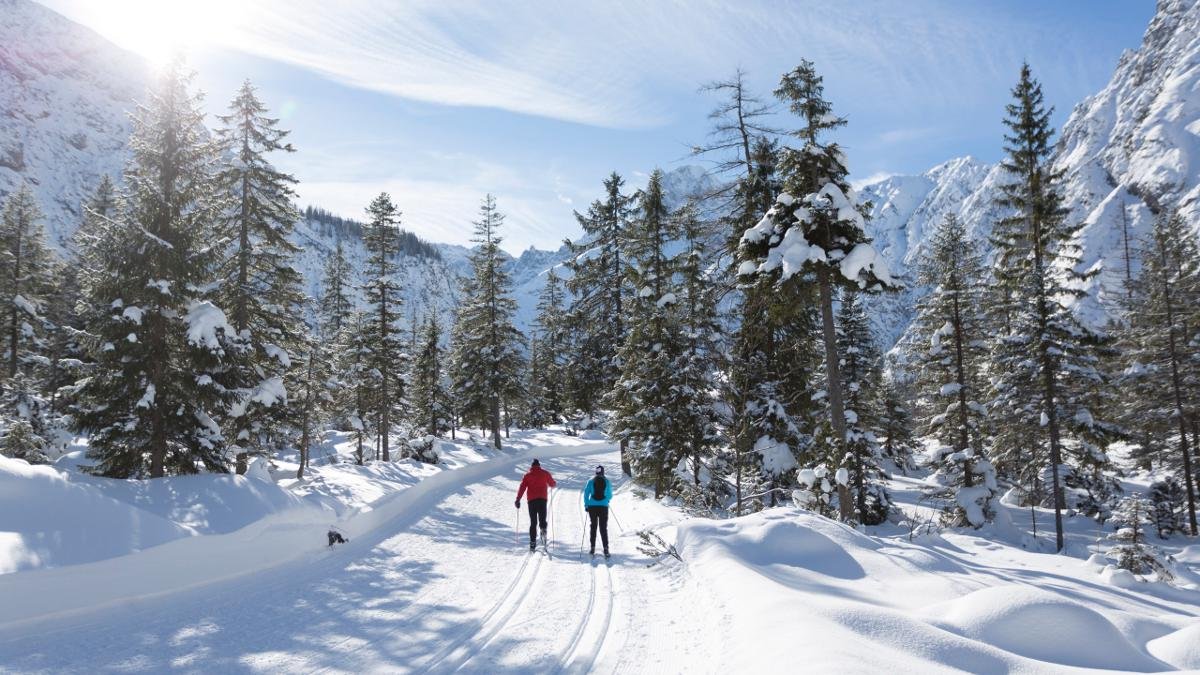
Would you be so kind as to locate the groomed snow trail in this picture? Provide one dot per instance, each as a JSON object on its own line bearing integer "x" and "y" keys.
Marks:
{"x": 445, "y": 586}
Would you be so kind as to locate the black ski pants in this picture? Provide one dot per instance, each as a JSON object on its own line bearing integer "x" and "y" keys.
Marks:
{"x": 537, "y": 513}
{"x": 599, "y": 516}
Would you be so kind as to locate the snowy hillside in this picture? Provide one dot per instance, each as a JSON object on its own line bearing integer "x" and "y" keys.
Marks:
{"x": 64, "y": 95}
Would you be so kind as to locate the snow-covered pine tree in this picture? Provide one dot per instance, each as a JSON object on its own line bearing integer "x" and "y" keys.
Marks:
{"x": 24, "y": 431}
{"x": 1130, "y": 548}
{"x": 951, "y": 351}
{"x": 489, "y": 359}
{"x": 645, "y": 399}
{"x": 700, "y": 360}
{"x": 337, "y": 284}
{"x": 430, "y": 399}
{"x": 1161, "y": 361}
{"x": 549, "y": 356}
{"x": 25, "y": 282}
{"x": 95, "y": 241}
{"x": 815, "y": 234}
{"x": 1036, "y": 277}
{"x": 769, "y": 375}
{"x": 862, "y": 381}
{"x": 773, "y": 362}
{"x": 949, "y": 356}
{"x": 599, "y": 290}
{"x": 1167, "y": 500}
{"x": 896, "y": 421}
{"x": 315, "y": 396}
{"x": 258, "y": 286}
{"x": 160, "y": 351}
{"x": 355, "y": 391}
{"x": 383, "y": 343}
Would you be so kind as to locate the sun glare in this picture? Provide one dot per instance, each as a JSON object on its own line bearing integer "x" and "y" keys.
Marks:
{"x": 158, "y": 29}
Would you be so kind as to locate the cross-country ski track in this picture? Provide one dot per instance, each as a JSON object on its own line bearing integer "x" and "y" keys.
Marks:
{"x": 435, "y": 579}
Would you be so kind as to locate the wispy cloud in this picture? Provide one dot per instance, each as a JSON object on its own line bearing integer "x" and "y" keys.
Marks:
{"x": 614, "y": 63}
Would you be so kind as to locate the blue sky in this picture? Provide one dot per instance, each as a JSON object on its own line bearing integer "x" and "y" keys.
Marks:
{"x": 439, "y": 102}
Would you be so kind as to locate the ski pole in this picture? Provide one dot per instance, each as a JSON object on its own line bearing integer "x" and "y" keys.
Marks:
{"x": 614, "y": 515}
{"x": 581, "y": 526}
{"x": 517, "y": 527}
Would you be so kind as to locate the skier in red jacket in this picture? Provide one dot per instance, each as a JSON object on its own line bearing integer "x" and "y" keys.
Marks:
{"x": 538, "y": 482}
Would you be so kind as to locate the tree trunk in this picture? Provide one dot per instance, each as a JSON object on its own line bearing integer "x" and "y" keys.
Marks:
{"x": 833, "y": 377}
{"x": 626, "y": 466}
{"x": 1050, "y": 390}
{"x": 495, "y": 410}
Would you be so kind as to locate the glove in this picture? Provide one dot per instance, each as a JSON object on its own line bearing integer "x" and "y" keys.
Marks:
{"x": 517, "y": 503}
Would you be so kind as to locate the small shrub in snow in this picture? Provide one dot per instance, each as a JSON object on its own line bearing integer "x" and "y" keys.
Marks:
{"x": 653, "y": 545}
{"x": 423, "y": 449}
{"x": 816, "y": 493}
{"x": 1166, "y": 496}
{"x": 20, "y": 442}
{"x": 1130, "y": 549}
{"x": 969, "y": 488}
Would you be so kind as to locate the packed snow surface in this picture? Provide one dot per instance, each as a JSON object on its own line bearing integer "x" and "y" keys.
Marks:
{"x": 220, "y": 573}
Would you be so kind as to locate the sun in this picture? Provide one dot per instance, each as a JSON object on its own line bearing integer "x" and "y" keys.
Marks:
{"x": 160, "y": 29}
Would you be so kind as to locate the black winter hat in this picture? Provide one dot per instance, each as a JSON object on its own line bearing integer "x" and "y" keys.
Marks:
{"x": 600, "y": 470}
{"x": 536, "y": 463}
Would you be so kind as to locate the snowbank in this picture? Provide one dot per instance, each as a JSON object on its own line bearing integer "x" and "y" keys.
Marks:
{"x": 1019, "y": 619}
{"x": 797, "y": 588}
{"x": 48, "y": 520}
{"x": 283, "y": 536}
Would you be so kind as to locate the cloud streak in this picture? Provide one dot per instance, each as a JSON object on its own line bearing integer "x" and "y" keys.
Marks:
{"x": 617, "y": 63}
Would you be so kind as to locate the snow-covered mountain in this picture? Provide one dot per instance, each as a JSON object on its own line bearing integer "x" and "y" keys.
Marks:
{"x": 1135, "y": 143}
{"x": 64, "y": 95}
{"x": 905, "y": 212}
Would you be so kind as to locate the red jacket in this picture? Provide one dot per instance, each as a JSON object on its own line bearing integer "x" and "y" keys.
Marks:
{"x": 538, "y": 481}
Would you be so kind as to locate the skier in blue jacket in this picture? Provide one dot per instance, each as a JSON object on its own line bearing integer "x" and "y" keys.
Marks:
{"x": 596, "y": 496}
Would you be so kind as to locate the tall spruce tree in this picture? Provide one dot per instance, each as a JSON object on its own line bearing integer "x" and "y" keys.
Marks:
{"x": 161, "y": 351}
{"x": 488, "y": 354}
{"x": 599, "y": 291}
{"x": 383, "y": 344}
{"x": 1036, "y": 277}
{"x": 259, "y": 288}
{"x": 315, "y": 398}
{"x": 430, "y": 399}
{"x": 337, "y": 301}
{"x": 549, "y": 356}
{"x": 742, "y": 145}
{"x": 700, "y": 359}
{"x": 353, "y": 399}
{"x": 1161, "y": 361}
{"x": 951, "y": 352}
{"x": 862, "y": 381}
{"x": 25, "y": 282}
{"x": 814, "y": 235}
{"x": 645, "y": 399}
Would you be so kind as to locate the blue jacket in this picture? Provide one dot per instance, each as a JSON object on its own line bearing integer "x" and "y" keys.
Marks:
{"x": 589, "y": 493}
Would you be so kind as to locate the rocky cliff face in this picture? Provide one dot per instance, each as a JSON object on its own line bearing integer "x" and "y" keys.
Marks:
{"x": 64, "y": 97}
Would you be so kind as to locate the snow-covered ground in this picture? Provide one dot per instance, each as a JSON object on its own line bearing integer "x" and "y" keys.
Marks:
{"x": 437, "y": 577}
